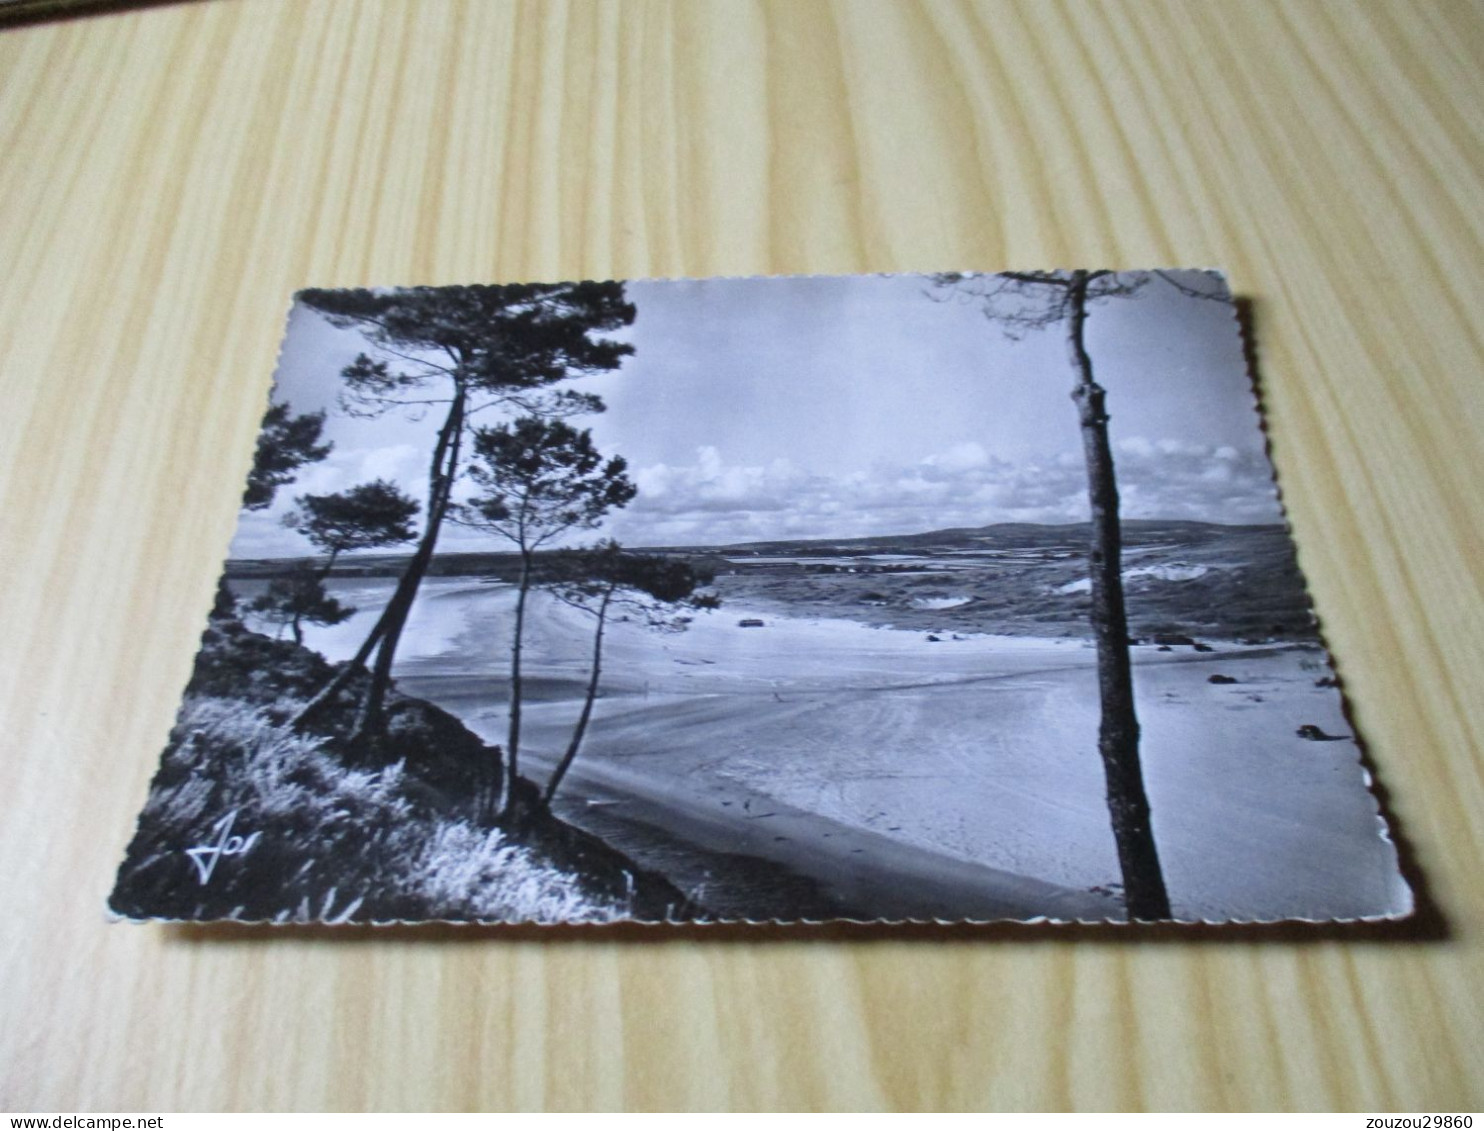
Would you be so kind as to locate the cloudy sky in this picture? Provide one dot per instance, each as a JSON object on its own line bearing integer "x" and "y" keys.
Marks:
{"x": 833, "y": 407}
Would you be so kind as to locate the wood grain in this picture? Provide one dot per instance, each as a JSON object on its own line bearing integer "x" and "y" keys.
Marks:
{"x": 171, "y": 175}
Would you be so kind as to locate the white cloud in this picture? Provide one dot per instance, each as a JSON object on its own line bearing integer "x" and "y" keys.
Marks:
{"x": 714, "y": 501}
{"x": 960, "y": 457}
{"x": 712, "y": 485}
{"x": 401, "y": 462}
{"x": 262, "y": 533}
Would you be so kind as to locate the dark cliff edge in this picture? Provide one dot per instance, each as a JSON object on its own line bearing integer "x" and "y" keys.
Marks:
{"x": 248, "y": 820}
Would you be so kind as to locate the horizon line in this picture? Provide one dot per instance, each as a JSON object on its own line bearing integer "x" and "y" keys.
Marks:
{"x": 766, "y": 541}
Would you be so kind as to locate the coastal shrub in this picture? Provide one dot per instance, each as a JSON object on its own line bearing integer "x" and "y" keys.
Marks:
{"x": 247, "y": 819}
{"x": 478, "y": 874}
{"x": 237, "y": 663}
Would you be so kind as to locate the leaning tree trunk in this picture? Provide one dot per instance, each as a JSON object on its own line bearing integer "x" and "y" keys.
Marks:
{"x": 357, "y": 663}
{"x": 512, "y": 738}
{"x": 587, "y": 705}
{"x": 441, "y": 475}
{"x": 371, "y": 717}
{"x": 1118, "y": 734}
{"x": 329, "y": 566}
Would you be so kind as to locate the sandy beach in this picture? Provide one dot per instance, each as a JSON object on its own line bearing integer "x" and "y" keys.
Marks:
{"x": 909, "y": 778}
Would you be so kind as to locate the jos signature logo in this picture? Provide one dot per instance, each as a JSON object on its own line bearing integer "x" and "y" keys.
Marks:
{"x": 206, "y": 856}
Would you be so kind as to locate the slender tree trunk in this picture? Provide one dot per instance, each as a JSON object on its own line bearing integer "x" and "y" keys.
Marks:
{"x": 1118, "y": 734}
{"x": 324, "y": 572}
{"x": 357, "y": 663}
{"x": 587, "y": 706}
{"x": 370, "y": 717}
{"x": 297, "y": 630}
{"x": 512, "y": 738}
{"x": 441, "y": 475}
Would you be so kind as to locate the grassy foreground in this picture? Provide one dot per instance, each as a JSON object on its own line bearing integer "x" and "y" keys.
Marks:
{"x": 249, "y": 820}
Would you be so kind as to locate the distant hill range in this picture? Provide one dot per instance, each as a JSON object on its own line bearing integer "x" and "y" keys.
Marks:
{"x": 1181, "y": 578}
{"x": 1001, "y": 535}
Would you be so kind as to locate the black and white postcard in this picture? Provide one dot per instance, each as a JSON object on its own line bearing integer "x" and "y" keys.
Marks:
{"x": 881, "y": 598}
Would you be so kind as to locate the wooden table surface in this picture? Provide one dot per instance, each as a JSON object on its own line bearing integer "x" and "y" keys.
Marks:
{"x": 170, "y": 175}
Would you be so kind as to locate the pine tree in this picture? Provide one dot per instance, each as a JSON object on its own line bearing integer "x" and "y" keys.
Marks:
{"x": 462, "y": 351}
{"x": 365, "y": 517}
{"x": 285, "y": 444}
{"x": 1024, "y": 301}
{"x": 657, "y": 591}
{"x": 540, "y": 480}
{"x": 300, "y": 597}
